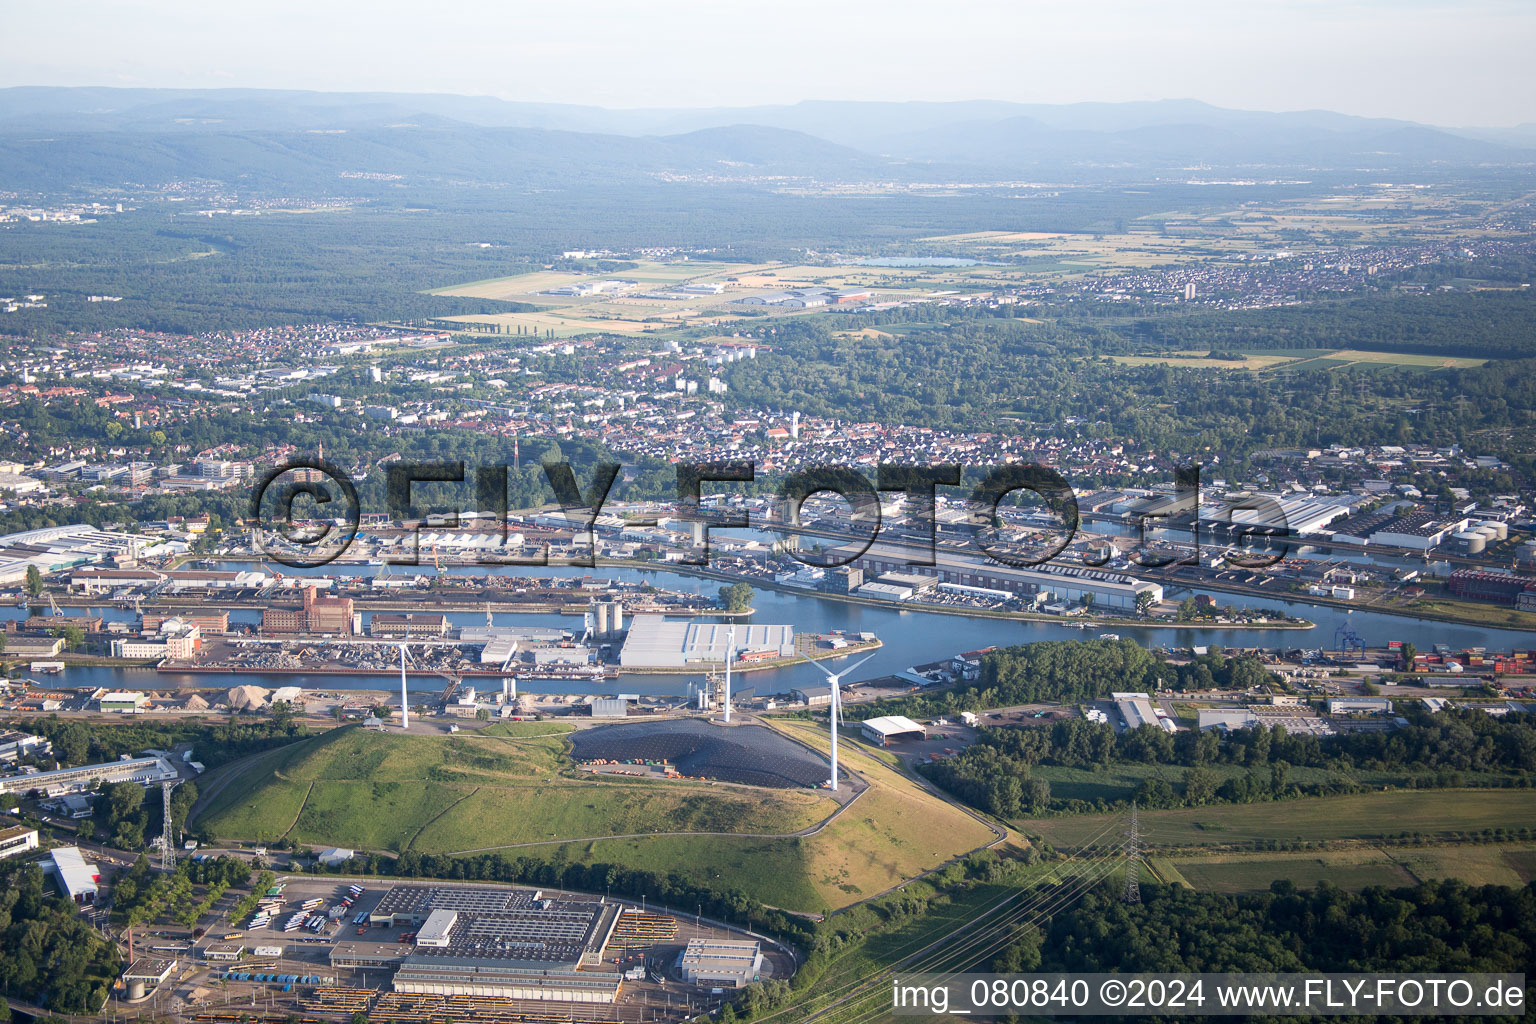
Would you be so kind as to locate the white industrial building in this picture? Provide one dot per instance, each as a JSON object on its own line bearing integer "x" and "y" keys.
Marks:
{"x": 144, "y": 770}
{"x": 721, "y": 963}
{"x": 1066, "y": 583}
{"x": 883, "y": 730}
{"x": 1293, "y": 515}
{"x": 1225, "y": 718}
{"x": 1359, "y": 706}
{"x": 436, "y": 929}
{"x": 52, "y": 548}
{"x": 655, "y": 641}
{"x": 77, "y": 878}
{"x": 17, "y": 839}
{"x": 1136, "y": 709}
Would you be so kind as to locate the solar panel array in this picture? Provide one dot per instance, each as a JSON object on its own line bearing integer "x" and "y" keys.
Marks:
{"x": 748, "y": 754}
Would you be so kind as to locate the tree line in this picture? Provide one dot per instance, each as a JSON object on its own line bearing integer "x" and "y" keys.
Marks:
{"x": 1435, "y": 749}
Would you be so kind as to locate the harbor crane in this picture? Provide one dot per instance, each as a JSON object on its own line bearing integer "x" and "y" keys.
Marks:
{"x": 1345, "y": 639}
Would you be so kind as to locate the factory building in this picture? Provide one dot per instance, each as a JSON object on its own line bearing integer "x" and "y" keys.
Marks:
{"x": 414, "y": 624}
{"x": 77, "y": 878}
{"x": 494, "y": 942}
{"x": 1498, "y": 587}
{"x": 123, "y": 702}
{"x": 721, "y": 963}
{"x": 145, "y": 770}
{"x": 334, "y": 615}
{"x": 812, "y": 696}
{"x": 1359, "y": 706}
{"x": 610, "y": 707}
{"x": 655, "y": 641}
{"x": 1064, "y": 583}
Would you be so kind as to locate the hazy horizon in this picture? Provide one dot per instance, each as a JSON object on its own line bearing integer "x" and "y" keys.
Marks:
{"x": 1435, "y": 63}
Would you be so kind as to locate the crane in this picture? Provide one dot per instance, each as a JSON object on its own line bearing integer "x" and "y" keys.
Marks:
{"x": 1345, "y": 638}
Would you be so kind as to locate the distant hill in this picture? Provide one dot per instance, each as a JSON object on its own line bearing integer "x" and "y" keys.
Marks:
{"x": 321, "y": 157}
{"x": 50, "y": 137}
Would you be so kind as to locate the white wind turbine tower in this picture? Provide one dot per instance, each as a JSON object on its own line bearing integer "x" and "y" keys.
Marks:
{"x": 730, "y": 649}
{"x": 405, "y": 708}
{"x": 836, "y": 711}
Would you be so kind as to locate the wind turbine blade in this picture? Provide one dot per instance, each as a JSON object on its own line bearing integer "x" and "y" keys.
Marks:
{"x": 855, "y": 665}
{"x": 824, "y": 670}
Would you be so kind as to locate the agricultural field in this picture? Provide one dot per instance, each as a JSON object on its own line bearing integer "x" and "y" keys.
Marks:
{"x": 1311, "y": 359}
{"x": 1355, "y": 867}
{"x": 1117, "y": 782}
{"x": 529, "y": 287}
{"x": 471, "y": 791}
{"x": 1353, "y": 357}
{"x": 1440, "y": 812}
{"x": 1199, "y": 360}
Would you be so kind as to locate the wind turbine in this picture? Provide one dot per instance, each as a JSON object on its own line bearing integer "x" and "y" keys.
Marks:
{"x": 836, "y": 715}
{"x": 405, "y": 708}
{"x": 730, "y": 649}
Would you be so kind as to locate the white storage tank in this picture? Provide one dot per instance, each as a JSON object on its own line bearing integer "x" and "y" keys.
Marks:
{"x": 1470, "y": 542}
{"x": 1500, "y": 530}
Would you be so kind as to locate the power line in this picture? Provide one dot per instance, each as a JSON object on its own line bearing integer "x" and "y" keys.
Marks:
{"x": 1133, "y": 860}
{"x": 167, "y": 845}
{"x": 1029, "y": 909}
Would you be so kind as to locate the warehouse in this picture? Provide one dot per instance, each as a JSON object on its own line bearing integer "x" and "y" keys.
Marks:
{"x": 145, "y": 770}
{"x": 77, "y": 878}
{"x": 610, "y": 707}
{"x": 721, "y": 963}
{"x": 883, "y": 730}
{"x": 1135, "y": 708}
{"x": 413, "y": 624}
{"x": 1359, "y": 706}
{"x": 491, "y": 941}
{"x": 812, "y": 696}
{"x": 655, "y": 641}
{"x": 502, "y": 974}
{"x": 1063, "y": 582}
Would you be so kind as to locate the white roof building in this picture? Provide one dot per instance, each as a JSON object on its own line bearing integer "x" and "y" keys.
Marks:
{"x": 434, "y": 931}
{"x": 883, "y": 730}
{"x": 77, "y": 878}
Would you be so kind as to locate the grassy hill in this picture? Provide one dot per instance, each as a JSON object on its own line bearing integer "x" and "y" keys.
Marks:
{"x": 506, "y": 786}
{"x": 895, "y": 831}
{"x": 471, "y": 791}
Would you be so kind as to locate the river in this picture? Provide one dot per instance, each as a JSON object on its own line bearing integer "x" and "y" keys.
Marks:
{"x": 909, "y": 637}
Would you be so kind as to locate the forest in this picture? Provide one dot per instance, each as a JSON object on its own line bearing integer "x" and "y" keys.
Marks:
{"x": 1436, "y": 926}
{"x": 374, "y": 259}
{"x": 1433, "y": 749}
{"x": 950, "y": 369}
{"x": 1076, "y": 670}
{"x": 48, "y": 954}
{"x": 78, "y": 742}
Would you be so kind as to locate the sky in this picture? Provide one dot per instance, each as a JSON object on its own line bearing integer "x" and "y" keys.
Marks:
{"x": 1455, "y": 64}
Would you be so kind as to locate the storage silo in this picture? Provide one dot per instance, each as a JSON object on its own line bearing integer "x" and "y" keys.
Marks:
{"x": 1500, "y": 530}
{"x": 1470, "y": 542}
